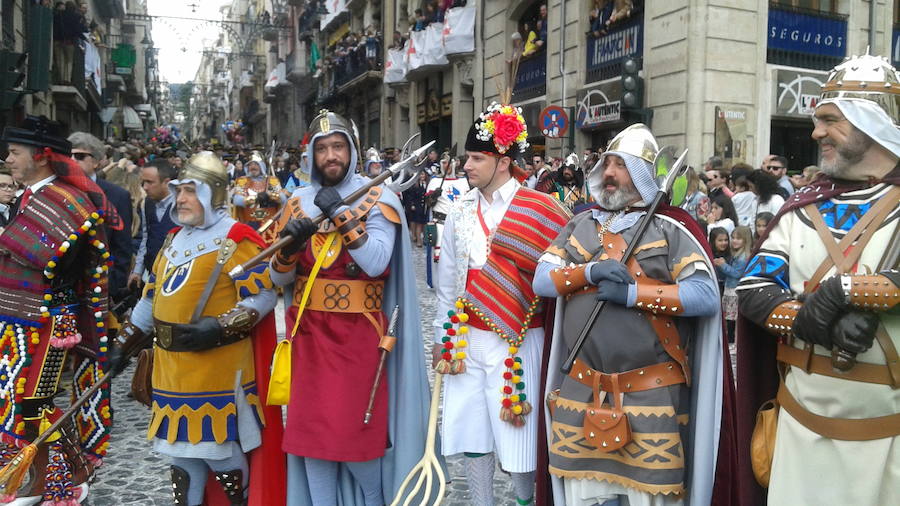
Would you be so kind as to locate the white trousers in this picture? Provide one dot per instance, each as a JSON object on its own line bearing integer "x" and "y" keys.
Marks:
{"x": 471, "y": 415}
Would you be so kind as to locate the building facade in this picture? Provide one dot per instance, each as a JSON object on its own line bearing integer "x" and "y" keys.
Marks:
{"x": 730, "y": 78}
{"x": 94, "y": 68}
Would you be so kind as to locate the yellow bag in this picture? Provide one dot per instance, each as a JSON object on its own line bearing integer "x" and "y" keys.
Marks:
{"x": 280, "y": 379}
{"x": 762, "y": 442}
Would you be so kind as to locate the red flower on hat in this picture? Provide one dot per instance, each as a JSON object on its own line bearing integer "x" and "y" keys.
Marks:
{"x": 507, "y": 128}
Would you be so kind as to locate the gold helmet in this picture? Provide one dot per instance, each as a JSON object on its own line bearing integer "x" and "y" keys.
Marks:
{"x": 866, "y": 77}
{"x": 206, "y": 167}
{"x": 635, "y": 140}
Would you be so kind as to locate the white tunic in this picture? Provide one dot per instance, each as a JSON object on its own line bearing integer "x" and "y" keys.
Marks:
{"x": 471, "y": 409}
{"x": 809, "y": 468}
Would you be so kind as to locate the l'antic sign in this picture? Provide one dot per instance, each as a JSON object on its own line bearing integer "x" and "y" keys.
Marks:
{"x": 599, "y": 106}
{"x": 796, "y": 93}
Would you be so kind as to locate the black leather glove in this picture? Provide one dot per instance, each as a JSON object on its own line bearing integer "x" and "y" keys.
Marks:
{"x": 203, "y": 335}
{"x": 263, "y": 199}
{"x": 610, "y": 270}
{"x": 820, "y": 309}
{"x": 613, "y": 291}
{"x": 855, "y": 331}
{"x": 328, "y": 200}
{"x": 301, "y": 230}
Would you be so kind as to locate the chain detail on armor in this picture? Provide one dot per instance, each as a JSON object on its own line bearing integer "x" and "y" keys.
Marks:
{"x": 232, "y": 483}
{"x": 237, "y": 323}
{"x": 874, "y": 292}
{"x": 781, "y": 320}
{"x": 658, "y": 298}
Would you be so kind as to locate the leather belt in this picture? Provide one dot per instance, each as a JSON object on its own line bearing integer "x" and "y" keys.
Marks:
{"x": 819, "y": 364}
{"x": 846, "y": 429}
{"x": 167, "y": 335}
{"x": 439, "y": 217}
{"x": 636, "y": 380}
{"x": 341, "y": 295}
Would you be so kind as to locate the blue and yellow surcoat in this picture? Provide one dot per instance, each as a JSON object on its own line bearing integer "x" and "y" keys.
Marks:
{"x": 194, "y": 393}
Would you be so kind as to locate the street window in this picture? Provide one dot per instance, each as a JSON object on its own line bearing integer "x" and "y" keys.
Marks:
{"x": 829, "y": 6}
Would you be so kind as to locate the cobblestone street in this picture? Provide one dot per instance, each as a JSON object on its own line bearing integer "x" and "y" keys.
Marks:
{"x": 133, "y": 474}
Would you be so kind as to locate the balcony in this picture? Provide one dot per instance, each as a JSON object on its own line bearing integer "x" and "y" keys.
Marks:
{"x": 605, "y": 53}
{"x": 805, "y": 38}
{"x": 358, "y": 65}
{"x": 531, "y": 79}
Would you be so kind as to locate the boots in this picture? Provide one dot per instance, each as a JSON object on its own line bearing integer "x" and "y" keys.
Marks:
{"x": 180, "y": 482}
{"x": 233, "y": 484}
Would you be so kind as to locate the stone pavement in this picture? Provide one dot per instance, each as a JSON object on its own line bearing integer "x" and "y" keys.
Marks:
{"x": 133, "y": 474}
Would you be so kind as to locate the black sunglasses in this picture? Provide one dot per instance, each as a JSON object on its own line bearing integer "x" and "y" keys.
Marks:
{"x": 81, "y": 156}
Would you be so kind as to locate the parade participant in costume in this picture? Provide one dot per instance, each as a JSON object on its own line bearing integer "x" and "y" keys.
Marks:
{"x": 258, "y": 196}
{"x": 335, "y": 457}
{"x": 490, "y": 246}
{"x": 374, "y": 164}
{"x": 636, "y": 418}
{"x": 214, "y": 340}
{"x": 824, "y": 282}
{"x": 568, "y": 186}
{"x": 54, "y": 264}
{"x": 441, "y": 193}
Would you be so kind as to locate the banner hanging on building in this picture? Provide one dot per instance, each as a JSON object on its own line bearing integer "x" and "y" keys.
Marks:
{"x": 395, "y": 67}
{"x": 459, "y": 30}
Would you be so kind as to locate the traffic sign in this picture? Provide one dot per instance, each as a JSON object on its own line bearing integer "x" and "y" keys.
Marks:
{"x": 554, "y": 122}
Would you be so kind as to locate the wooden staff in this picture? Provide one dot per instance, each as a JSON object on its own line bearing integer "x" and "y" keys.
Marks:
{"x": 395, "y": 169}
{"x": 386, "y": 345}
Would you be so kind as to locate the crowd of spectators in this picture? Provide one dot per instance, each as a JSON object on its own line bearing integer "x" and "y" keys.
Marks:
{"x": 433, "y": 12}
{"x": 605, "y": 14}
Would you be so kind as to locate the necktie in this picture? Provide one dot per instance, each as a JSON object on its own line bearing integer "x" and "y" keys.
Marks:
{"x": 26, "y": 196}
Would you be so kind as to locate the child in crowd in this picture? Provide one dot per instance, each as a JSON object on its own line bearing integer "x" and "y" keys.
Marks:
{"x": 732, "y": 270}
{"x": 744, "y": 201}
{"x": 762, "y": 221}
{"x": 719, "y": 240}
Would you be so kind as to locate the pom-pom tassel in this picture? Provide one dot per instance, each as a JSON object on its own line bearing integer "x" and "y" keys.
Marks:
{"x": 458, "y": 367}
{"x": 13, "y": 473}
{"x": 442, "y": 367}
{"x": 526, "y": 407}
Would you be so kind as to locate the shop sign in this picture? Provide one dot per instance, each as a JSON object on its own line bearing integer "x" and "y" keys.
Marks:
{"x": 446, "y": 106}
{"x": 624, "y": 41}
{"x": 797, "y": 93}
{"x": 599, "y": 106}
{"x": 731, "y": 134}
{"x": 807, "y": 33}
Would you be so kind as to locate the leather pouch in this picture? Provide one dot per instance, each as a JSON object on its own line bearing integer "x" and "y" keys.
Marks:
{"x": 762, "y": 441}
{"x": 142, "y": 381}
{"x": 606, "y": 427}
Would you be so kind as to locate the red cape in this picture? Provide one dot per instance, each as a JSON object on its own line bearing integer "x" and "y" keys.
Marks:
{"x": 268, "y": 471}
{"x": 756, "y": 366}
{"x": 726, "y": 487}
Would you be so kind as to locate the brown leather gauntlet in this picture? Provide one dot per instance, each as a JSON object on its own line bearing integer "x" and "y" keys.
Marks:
{"x": 658, "y": 299}
{"x": 351, "y": 228}
{"x": 130, "y": 339}
{"x": 781, "y": 320}
{"x": 237, "y": 323}
{"x": 872, "y": 292}
{"x": 569, "y": 279}
{"x": 282, "y": 263}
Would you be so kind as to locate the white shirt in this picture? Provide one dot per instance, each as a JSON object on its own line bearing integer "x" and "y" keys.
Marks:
{"x": 42, "y": 183}
{"x": 492, "y": 214}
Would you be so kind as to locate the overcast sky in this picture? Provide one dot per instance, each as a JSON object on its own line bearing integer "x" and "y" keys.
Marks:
{"x": 180, "y": 42}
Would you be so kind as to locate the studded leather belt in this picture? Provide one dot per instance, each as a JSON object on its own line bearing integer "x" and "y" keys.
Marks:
{"x": 635, "y": 380}
{"x": 341, "y": 295}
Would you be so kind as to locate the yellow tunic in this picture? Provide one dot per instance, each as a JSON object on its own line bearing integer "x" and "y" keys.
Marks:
{"x": 194, "y": 392}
